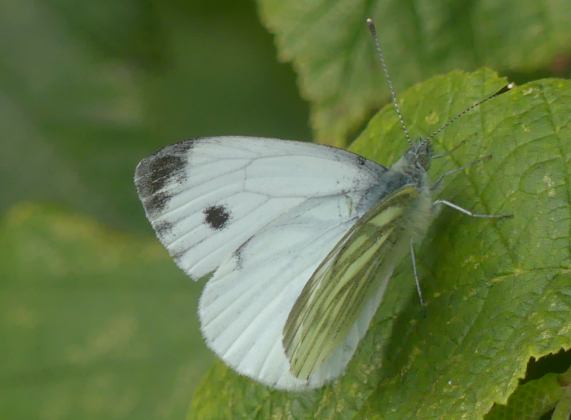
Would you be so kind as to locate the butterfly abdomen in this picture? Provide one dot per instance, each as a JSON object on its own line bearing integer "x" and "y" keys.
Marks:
{"x": 420, "y": 215}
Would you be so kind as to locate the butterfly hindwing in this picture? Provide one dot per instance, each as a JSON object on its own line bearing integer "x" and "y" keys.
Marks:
{"x": 335, "y": 307}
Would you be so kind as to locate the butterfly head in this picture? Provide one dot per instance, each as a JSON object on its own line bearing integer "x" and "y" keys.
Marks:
{"x": 419, "y": 155}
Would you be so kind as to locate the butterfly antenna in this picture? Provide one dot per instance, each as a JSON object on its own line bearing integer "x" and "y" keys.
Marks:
{"x": 374, "y": 35}
{"x": 470, "y": 108}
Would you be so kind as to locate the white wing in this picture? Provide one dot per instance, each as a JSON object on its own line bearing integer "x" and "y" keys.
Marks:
{"x": 265, "y": 212}
{"x": 245, "y": 305}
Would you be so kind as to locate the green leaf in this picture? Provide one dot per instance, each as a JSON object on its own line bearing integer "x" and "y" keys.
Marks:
{"x": 329, "y": 45}
{"x": 497, "y": 292}
{"x": 94, "y": 324}
{"x": 533, "y": 399}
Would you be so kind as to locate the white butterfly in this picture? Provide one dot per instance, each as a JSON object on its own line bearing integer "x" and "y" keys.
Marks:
{"x": 301, "y": 240}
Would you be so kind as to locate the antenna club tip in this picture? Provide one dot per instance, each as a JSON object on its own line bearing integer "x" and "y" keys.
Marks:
{"x": 505, "y": 89}
{"x": 371, "y": 24}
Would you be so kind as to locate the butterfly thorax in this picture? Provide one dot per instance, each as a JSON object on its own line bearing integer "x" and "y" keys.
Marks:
{"x": 412, "y": 168}
{"x": 415, "y": 162}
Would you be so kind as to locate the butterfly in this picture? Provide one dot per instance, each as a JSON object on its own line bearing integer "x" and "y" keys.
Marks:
{"x": 297, "y": 240}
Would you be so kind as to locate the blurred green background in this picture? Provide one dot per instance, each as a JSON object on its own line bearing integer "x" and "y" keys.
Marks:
{"x": 95, "y": 320}
{"x": 88, "y": 91}
{"x": 95, "y": 323}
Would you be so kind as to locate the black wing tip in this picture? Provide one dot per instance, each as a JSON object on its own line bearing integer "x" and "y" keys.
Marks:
{"x": 155, "y": 171}
{"x": 175, "y": 149}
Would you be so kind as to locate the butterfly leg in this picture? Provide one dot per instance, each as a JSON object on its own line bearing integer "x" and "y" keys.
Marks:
{"x": 415, "y": 272}
{"x": 468, "y": 212}
{"x": 439, "y": 180}
{"x": 449, "y": 152}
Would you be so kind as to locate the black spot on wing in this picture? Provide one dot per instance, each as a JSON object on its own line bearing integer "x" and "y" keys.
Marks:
{"x": 163, "y": 227}
{"x": 361, "y": 160}
{"x": 156, "y": 171}
{"x": 238, "y": 253}
{"x": 181, "y": 147}
{"x": 156, "y": 203}
{"x": 216, "y": 217}
{"x": 163, "y": 169}
{"x": 178, "y": 254}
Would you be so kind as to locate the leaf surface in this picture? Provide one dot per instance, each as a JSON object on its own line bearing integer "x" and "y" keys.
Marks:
{"x": 498, "y": 292}
{"x": 329, "y": 45}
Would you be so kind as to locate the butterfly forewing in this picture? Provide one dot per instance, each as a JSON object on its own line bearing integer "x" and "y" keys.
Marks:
{"x": 338, "y": 302}
{"x": 207, "y": 197}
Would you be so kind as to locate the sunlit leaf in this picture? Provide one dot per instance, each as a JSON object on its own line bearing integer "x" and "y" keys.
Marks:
{"x": 329, "y": 45}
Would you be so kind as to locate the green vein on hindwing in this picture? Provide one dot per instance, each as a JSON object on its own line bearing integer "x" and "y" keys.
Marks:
{"x": 330, "y": 303}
